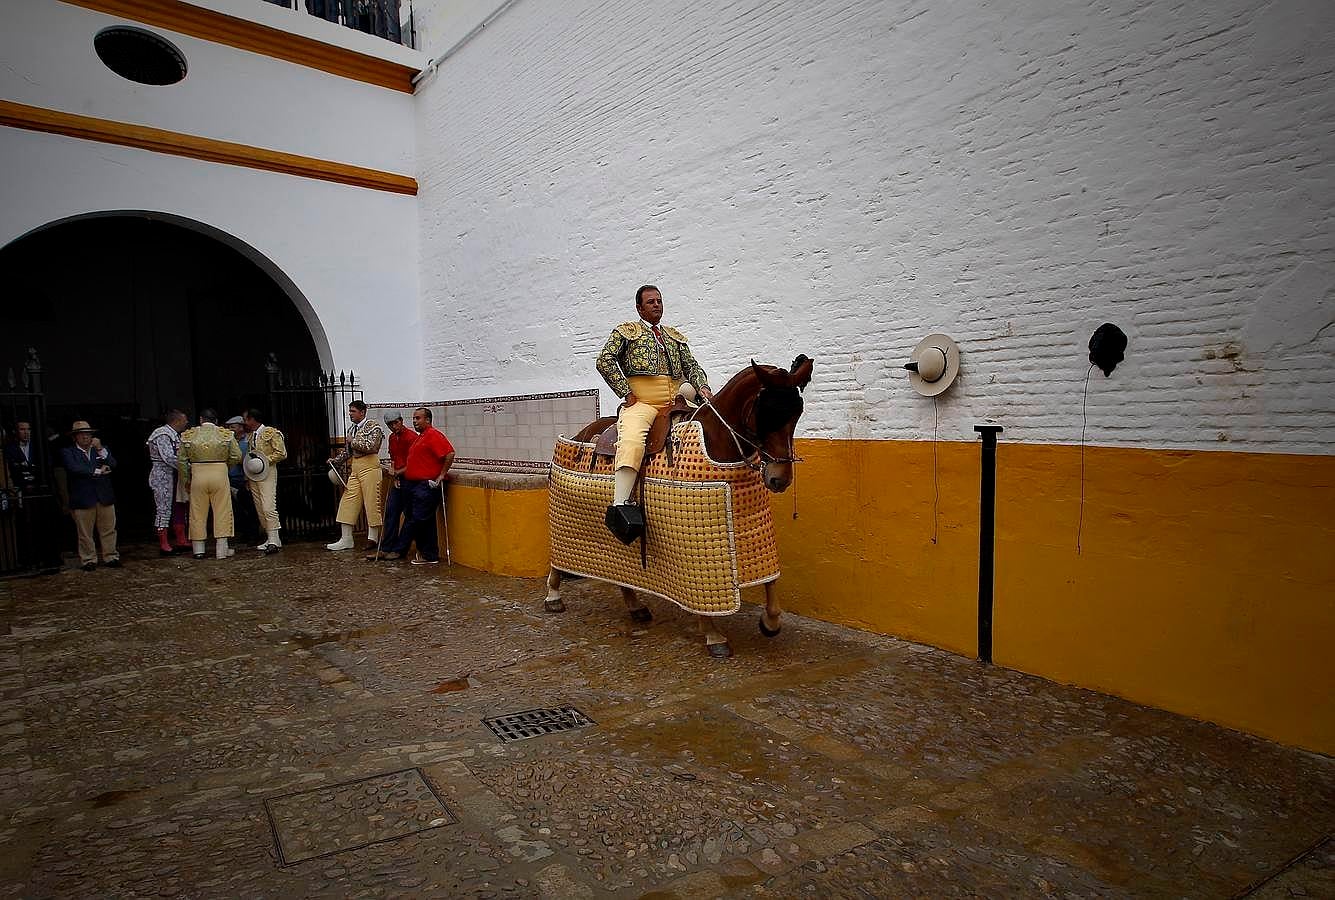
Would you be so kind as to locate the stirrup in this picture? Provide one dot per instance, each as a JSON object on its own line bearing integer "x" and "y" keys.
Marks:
{"x": 626, "y": 522}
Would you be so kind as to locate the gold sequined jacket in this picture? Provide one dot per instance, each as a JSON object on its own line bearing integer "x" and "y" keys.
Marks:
{"x": 632, "y": 350}
{"x": 363, "y": 439}
{"x": 207, "y": 443}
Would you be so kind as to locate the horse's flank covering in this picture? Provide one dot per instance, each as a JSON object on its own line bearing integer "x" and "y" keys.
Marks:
{"x": 710, "y": 531}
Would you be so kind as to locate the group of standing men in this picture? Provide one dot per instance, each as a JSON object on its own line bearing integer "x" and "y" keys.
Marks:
{"x": 419, "y": 463}
{"x": 199, "y": 470}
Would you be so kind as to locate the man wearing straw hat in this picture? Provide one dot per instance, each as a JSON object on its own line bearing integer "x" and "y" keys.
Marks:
{"x": 92, "y": 501}
{"x": 267, "y": 450}
{"x": 206, "y": 453}
{"x": 362, "y": 446}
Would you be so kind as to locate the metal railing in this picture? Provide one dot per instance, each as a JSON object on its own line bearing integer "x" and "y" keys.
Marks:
{"x": 383, "y": 18}
{"x": 311, "y": 409}
{"x": 29, "y": 507}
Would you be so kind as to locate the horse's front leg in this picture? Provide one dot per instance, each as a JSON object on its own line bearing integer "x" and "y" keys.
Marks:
{"x": 638, "y": 611}
{"x": 769, "y": 619}
{"x": 553, "y": 602}
{"x": 715, "y": 641}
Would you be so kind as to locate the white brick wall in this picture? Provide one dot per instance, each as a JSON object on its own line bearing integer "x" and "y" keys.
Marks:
{"x": 842, "y": 178}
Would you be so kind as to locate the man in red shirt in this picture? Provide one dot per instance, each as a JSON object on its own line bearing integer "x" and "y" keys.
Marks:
{"x": 429, "y": 458}
{"x": 401, "y": 438}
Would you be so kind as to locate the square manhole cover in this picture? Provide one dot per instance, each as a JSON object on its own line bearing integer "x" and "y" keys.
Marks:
{"x": 342, "y": 817}
{"x": 533, "y": 723}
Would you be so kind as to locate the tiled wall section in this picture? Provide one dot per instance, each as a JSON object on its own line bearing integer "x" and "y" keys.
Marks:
{"x": 504, "y": 432}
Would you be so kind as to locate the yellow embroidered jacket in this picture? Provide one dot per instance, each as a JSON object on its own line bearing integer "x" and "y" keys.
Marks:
{"x": 207, "y": 443}
{"x": 269, "y": 443}
{"x": 632, "y": 350}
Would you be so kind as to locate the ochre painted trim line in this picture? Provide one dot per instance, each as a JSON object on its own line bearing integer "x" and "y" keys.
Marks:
{"x": 35, "y": 118}
{"x": 219, "y": 28}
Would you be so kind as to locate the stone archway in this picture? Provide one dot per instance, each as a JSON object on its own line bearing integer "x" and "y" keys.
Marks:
{"x": 135, "y": 312}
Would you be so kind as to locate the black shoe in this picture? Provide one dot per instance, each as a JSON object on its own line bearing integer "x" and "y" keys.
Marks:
{"x": 199, "y": 556}
{"x": 112, "y": 563}
{"x": 88, "y": 567}
{"x": 391, "y": 557}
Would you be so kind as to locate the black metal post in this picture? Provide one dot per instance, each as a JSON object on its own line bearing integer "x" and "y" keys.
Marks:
{"x": 987, "y": 538}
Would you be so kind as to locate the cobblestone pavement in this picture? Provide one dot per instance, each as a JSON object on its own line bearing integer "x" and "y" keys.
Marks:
{"x": 311, "y": 724}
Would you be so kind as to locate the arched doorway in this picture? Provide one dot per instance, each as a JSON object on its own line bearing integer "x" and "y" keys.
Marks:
{"x": 133, "y": 313}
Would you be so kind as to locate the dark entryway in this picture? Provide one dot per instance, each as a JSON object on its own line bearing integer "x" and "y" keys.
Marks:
{"x": 133, "y": 315}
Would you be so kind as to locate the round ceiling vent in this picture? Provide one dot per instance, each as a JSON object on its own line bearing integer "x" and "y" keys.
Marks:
{"x": 139, "y": 55}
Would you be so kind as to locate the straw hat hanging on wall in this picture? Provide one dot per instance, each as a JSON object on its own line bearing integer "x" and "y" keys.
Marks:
{"x": 933, "y": 365}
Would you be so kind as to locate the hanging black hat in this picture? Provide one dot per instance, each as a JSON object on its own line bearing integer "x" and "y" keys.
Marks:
{"x": 1107, "y": 347}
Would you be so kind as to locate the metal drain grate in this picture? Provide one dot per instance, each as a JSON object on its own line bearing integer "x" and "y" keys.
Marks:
{"x": 533, "y": 723}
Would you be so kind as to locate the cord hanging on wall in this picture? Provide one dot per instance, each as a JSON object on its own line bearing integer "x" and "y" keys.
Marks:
{"x": 933, "y": 366}
{"x": 1107, "y": 348}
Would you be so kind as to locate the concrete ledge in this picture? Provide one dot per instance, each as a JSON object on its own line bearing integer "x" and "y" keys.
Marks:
{"x": 499, "y": 480}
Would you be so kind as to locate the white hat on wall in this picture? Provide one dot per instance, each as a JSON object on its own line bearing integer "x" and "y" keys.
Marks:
{"x": 933, "y": 365}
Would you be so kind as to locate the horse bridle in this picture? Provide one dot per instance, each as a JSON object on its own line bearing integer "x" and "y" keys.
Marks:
{"x": 762, "y": 458}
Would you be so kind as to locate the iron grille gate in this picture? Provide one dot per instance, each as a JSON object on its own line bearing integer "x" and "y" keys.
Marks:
{"x": 311, "y": 409}
{"x": 29, "y": 506}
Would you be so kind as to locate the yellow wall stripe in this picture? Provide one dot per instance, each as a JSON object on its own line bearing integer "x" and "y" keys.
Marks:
{"x": 33, "y": 118}
{"x": 1205, "y": 582}
{"x": 219, "y": 28}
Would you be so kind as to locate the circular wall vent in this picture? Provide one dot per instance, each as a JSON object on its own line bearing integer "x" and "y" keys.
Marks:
{"x": 139, "y": 55}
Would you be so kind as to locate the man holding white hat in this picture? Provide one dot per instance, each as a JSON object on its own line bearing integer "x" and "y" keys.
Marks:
{"x": 267, "y": 450}
{"x": 362, "y": 446}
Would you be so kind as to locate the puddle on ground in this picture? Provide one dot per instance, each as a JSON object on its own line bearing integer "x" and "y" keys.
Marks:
{"x": 307, "y": 641}
{"x": 110, "y": 798}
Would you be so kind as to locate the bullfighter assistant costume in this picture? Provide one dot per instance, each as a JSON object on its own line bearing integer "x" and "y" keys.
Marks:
{"x": 206, "y": 453}
{"x": 655, "y": 363}
{"x": 268, "y": 442}
{"x": 169, "y": 498}
{"x": 363, "y": 492}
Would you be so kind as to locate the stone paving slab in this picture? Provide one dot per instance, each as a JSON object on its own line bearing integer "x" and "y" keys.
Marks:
{"x": 154, "y": 717}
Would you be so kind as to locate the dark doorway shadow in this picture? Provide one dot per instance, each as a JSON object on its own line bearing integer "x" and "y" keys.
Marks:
{"x": 134, "y": 315}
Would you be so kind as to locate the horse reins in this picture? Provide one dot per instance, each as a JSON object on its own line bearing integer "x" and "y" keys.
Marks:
{"x": 757, "y": 450}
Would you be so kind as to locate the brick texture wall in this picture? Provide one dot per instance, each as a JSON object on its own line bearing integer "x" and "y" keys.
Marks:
{"x": 842, "y": 178}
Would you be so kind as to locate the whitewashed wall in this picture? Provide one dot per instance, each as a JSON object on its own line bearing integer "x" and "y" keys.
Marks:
{"x": 842, "y": 178}
{"x": 350, "y": 253}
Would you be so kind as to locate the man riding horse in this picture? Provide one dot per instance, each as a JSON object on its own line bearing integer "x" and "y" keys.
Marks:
{"x": 649, "y": 366}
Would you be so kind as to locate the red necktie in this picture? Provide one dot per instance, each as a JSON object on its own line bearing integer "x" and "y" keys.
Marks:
{"x": 658, "y": 336}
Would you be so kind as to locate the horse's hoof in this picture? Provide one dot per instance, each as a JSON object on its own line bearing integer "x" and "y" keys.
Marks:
{"x": 767, "y": 632}
{"x": 719, "y": 651}
{"x": 553, "y": 606}
{"x": 641, "y": 615}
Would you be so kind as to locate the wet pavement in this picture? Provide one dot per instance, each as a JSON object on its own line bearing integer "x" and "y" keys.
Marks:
{"x": 312, "y": 724}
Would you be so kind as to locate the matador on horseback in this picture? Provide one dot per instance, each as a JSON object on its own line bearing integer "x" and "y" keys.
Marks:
{"x": 650, "y": 366}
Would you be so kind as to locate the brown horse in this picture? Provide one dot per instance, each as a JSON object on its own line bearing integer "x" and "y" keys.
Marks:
{"x": 750, "y": 420}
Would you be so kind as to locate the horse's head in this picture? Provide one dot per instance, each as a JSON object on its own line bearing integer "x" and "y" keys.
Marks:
{"x": 774, "y": 413}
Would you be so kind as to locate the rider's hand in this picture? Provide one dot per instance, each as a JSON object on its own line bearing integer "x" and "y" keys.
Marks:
{"x": 631, "y": 399}
{"x": 706, "y": 393}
